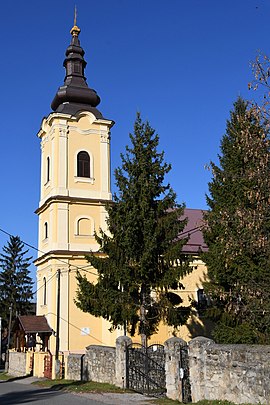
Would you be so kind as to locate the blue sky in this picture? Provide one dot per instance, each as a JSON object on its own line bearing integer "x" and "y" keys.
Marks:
{"x": 180, "y": 63}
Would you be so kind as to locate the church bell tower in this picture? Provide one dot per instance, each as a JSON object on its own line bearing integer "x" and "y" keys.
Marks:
{"x": 74, "y": 188}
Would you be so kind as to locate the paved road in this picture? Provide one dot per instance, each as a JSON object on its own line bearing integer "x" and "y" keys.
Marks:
{"x": 22, "y": 392}
{"x": 15, "y": 393}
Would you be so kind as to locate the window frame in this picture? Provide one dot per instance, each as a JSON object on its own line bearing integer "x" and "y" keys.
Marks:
{"x": 78, "y": 178}
{"x": 44, "y": 291}
{"x": 48, "y": 169}
{"x": 46, "y": 230}
{"x": 83, "y": 164}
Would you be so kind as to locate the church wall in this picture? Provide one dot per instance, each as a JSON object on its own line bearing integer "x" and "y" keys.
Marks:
{"x": 82, "y": 329}
{"x": 77, "y": 329}
{"x": 47, "y": 293}
{"x": 87, "y": 328}
{"x": 192, "y": 282}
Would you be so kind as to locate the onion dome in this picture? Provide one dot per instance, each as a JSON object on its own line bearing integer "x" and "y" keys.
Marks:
{"x": 75, "y": 95}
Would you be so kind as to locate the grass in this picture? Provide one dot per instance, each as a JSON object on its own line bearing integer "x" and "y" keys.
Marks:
{"x": 91, "y": 386}
{"x": 7, "y": 377}
{"x": 79, "y": 386}
{"x": 4, "y": 376}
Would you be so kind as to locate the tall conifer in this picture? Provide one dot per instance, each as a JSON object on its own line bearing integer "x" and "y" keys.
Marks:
{"x": 15, "y": 281}
{"x": 237, "y": 231}
{"x": 140, "y": 259}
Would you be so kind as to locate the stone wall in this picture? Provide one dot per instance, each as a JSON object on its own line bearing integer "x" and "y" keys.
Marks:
{"x": 237, "y": 373}
{"x": 99, "y": 364}
{"x": 17, "y": 364}
{"x": 74, "y": 367}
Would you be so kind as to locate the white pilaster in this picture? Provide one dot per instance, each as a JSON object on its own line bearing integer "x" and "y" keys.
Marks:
{"x": 105, "y": 161}
{"x": 63, "y": 158}
{"x": 62, "y": 226}
{"x": 64, "y": 308}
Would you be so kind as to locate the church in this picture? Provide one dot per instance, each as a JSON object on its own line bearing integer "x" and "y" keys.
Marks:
{"x": 74, "y": 189}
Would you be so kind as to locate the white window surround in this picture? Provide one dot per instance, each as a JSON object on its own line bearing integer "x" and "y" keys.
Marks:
{"x": 76, "y": 226}
{"x": 47, "y": 171}
{"x": 77, "y": 235}
{"x": 84, "y": 179}
{"x": 90, "y": 179}
{"x": 44, "y": 291}
{"x": 45, "y": 231}
{"x": 47, "y": 184}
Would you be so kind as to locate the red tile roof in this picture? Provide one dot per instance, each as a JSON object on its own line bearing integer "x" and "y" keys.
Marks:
{"x": 34, "y": 324}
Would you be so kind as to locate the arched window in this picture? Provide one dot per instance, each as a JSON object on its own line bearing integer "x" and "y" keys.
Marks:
{"x": 46, "y": 230}
{"x": 48, "y": 169}
{"x": 83, "y": 164}
{"x": 84, "y": 227}
{"x": 44, "y": 291}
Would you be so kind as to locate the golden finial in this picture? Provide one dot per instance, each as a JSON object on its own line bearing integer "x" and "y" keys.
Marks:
{"x": 75, "y": 30}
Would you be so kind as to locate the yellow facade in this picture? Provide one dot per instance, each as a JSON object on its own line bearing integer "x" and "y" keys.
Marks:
{"x": 72, "y": 209}
{"x": 192, "y": 283}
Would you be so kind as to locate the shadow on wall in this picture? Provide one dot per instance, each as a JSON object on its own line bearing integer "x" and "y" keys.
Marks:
{"x": 200, "y": 327}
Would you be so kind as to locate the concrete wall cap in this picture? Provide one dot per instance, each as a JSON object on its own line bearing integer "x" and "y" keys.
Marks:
{"x": 174, "y": 340}
{"x": 99, "y": 347}
{"x": 123, "y": 339}
{"x": 200, "y": 341}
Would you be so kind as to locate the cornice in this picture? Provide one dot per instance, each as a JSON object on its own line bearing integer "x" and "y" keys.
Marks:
{"x": 47, "y": 121}
{"x": 64, "y": 255}
{"x": 73, "y": 200}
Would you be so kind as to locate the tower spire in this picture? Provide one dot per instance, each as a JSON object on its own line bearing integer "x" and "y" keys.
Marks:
{"x": 75, "y": 15}
{"x": 75, "y": 30}
{"x": 75, "y": 95}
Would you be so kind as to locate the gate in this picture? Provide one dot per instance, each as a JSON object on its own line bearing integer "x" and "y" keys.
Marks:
{"x": 186, "y": 389}
{"x": 48, "y": 366}
{"x": 146, "y": 369}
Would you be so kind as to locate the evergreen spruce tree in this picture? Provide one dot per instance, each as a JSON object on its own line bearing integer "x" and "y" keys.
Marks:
{"x": 140, "y": 260}
{"x": 15, "y": 281}
{"x": 237, "y": 231}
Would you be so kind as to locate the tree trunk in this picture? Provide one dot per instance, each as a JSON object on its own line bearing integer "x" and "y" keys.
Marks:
{"x": 143, "y": 316}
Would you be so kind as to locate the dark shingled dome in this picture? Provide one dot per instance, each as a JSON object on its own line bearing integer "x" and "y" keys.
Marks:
{"x": 75, "y": 95}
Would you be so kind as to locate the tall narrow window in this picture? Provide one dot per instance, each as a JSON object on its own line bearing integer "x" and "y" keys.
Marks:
{"x": 48, "y": 169}
{"x": 46, "y": 230}
{"x": 201, "y": 300}
{"x": 44, "y": 291}
{"x": 83, "y": 164}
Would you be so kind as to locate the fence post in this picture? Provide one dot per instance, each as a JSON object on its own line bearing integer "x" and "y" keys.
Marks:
{"x": 174, "y": 368}
{"x": 121, "y": 361}
{"x": 197, "y": 350}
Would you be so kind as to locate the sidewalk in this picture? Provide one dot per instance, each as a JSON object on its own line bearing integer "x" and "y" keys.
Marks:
{"x": 111, "y": 398}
